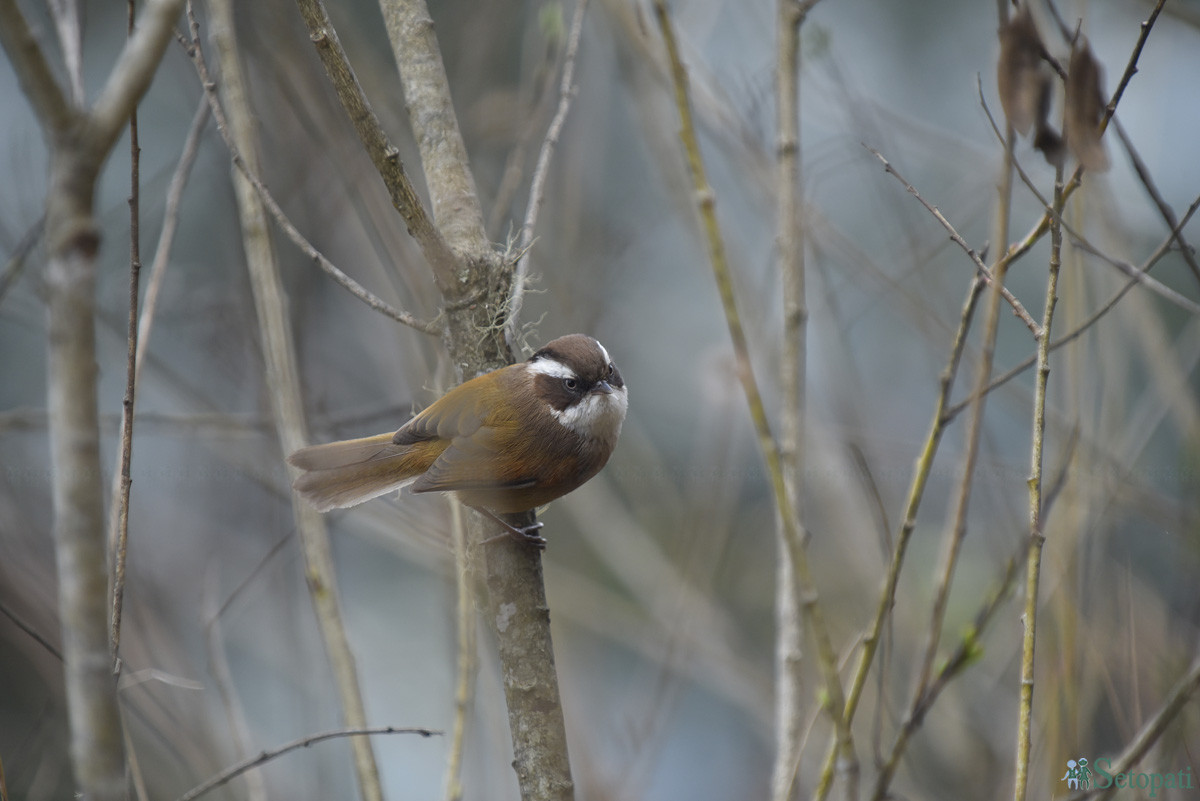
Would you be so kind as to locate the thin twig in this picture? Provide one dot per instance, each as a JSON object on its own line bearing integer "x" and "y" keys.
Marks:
{"x": 383, "y": 153}
{"x": 1018, "y": 309}
{"x": 538, "y": 108}
{"x": 281, "y": 219}
{"x": 794, "y": 534}
{"x": 166, "y": 236}
{"x": 916, "y": 492}
{"x": 1043, "y": 225}
{"x": 125, "y": 480}
{"x": 537, "y": 186}
{"x": 16, "y": 261}
{"x": 233, "y": 771}
{"x": 1037, "y": 536}
{"x": 1163, "y": 249}
{"x": 31, "y": 631}
{"x": 1168, "y": 214}
{"x": 956, "y": 528}
{"x": 1148, "y": 735}
{"x": 218, "y": 662}
{"x": 1080, "y": 241}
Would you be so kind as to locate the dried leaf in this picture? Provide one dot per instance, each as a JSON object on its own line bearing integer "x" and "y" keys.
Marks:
{"x": 1022, "y": 78}
{"x": 1085, "y": 108}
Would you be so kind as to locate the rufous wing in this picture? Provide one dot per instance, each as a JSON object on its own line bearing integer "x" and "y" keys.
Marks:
{"x": 481, "y": 429}
{"x": 348, "y": 473}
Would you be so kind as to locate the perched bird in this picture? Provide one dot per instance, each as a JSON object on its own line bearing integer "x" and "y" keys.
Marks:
{"x": 504, "y": 442}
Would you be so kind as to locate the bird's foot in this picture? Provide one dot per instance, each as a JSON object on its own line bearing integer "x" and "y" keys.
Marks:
{"x": 524, "y": 534}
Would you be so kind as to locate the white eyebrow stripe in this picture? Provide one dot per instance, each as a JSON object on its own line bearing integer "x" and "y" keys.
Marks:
{"x": 552, "y": 368}
{"x": 607, "y": 359}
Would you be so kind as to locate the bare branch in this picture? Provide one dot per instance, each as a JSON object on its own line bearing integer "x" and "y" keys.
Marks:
{"x": 1145, "y": 739}
{"x": 1095, "y": 317}
{"x": 70, "y": 37}
{"x": 784, "y": 506}
{"x": 281, "y": 219}
{"x": 166, "y": 236}
{"x": 131, "y": 75}
{"x": 456, "y": 209}
{"x": 1143, "y": 172}
{"x": 537, "y": 187}
{"x": 51, "y": 107}
{"x": 234, "y": 771}
{"x": 383, "y": 154}
{"x": 1037, "y": 537}
{"x": 1139, "y": 276}
{"x": 1018, "y": 309}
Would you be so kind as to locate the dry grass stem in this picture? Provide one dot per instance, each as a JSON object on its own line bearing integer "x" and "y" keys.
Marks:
{"x": 916, "y": 492}
{"x": 794, "y": 535}
{"x": 282, "y": 376}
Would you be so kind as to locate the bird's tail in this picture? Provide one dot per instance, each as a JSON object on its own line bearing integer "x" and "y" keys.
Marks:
{"x": 349, "y": 472}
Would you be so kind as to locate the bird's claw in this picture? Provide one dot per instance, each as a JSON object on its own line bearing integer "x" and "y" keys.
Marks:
{"x": 523, "y": 534}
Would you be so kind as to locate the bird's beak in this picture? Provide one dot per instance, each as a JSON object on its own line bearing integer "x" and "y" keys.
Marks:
{"x": 602, "y": 388}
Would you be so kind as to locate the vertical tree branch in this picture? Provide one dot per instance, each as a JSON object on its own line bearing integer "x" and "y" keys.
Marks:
{"x": 792, "y": 377}
{"x": 119, "y": 528}
{"x": 282, "y": 378}
{"x": 475, "y": 282}
{"x": 97, "y": 747}
{"x": 1037, "y": 537}
{"x": 54, "y": 111}
{"x": 785, "y": 510}
{"x": 456, "y": 209}
{"x": 78, "y": 142}
{"x": 66, "y": 16}
{"x": 382, "y": 153}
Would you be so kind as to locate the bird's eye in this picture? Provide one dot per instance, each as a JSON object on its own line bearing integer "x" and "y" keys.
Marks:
{"x": 571, "y": 383}
{"x": 612, "y": 368}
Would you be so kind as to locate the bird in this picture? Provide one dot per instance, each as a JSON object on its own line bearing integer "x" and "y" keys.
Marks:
{"x": 505, "y": 442}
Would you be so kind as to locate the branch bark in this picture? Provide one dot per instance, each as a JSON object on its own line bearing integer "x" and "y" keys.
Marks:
{"x": 789, "y": 237}
{"x": 474, "y": 280}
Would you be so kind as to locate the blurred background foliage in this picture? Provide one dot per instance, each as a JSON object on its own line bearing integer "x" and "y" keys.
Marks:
{"x": 660, "y": 572}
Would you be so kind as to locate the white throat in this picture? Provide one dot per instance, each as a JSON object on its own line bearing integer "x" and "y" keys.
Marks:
{"x": 597, "y": 415}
